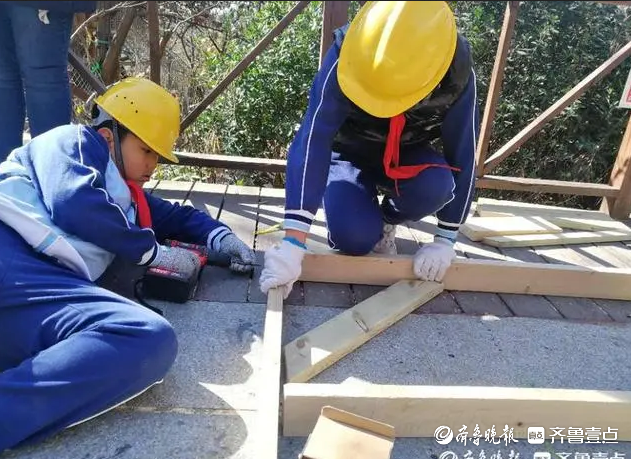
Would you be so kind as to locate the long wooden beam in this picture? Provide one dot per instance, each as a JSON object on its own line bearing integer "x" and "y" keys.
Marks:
{"x": 475, "y": 275}
{"x": 245, "y": 62}
{"x": 270, "y": 385}
{"x": 508, "y": 26}
{"x": 417, "y": 411}
{"x": 538, "y": 123}
{"x": 245, "y": 163}
{"x": 534, "y": 185}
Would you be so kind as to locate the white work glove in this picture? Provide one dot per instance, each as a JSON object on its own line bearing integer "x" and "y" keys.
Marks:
{"x": 283, "y": 266}
{"x": 432, "y": 261}
{"x": 241, "y": 256}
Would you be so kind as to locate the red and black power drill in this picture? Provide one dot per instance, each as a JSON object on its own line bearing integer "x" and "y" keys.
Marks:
{"x": 177, "y": 286}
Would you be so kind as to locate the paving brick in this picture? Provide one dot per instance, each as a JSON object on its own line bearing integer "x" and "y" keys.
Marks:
{"x": 220, "y": 284}
{"x": 327, "y": 294}
{"x": 363, "y": 292}
{"x": 619, "y": 311}
{"x": 480, "y": 303}
{"x": 445, "y": 303}
{"x": 579, "y": 309}
{"x": 530, "y": 306}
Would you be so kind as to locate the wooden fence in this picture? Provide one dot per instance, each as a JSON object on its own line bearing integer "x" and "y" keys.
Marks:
{"x": 616, "y": 194}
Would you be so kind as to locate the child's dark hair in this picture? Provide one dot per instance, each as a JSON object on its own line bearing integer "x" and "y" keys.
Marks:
{"x": 122, "y": 130}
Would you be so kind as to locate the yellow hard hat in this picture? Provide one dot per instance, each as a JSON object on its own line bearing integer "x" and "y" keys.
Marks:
{"x": 395, "y": 53}
{"x": 146, "y": 109}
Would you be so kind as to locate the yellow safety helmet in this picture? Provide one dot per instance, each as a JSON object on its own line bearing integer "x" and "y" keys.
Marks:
{"x": 395, "y": 54}
{"x": 146, "y": 109}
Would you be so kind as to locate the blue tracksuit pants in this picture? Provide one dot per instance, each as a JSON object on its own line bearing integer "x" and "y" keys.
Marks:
{"x": 68, "y": 349}
{"x": 354, "y": 215}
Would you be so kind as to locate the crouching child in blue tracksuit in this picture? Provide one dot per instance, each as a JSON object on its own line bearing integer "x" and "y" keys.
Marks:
{"x": 70, "y": 350}
{"x": 392, "y": 111}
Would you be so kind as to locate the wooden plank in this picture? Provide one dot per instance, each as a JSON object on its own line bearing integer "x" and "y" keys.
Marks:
{"x": 269, "y": 394}
{"x": 229, "y": 162}
{"x": 417, "y": 411}
{"x": 565, "y": 217}
{"x": 578, "y": 237}
{"x": 535, "y": 185}
{"x": 477, "y": 228}
{"x": 497, "y": 76}
{"x": 271, "y": 211}
{"x": 538, "y": 123}
{"x": 485, "y": 205}
{"x": 243, "y": 64}
{"x": 476, "y": 275}
{"x": 620, "y": 206}
{"x": 321, "y": 347}
{"x": 589, "y": 224}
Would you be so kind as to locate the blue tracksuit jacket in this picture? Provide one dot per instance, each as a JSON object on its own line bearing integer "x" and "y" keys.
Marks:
{"x": 64, "y": 195}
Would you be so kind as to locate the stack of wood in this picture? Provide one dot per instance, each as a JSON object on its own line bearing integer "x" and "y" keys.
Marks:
{"x": 501, "y": 223}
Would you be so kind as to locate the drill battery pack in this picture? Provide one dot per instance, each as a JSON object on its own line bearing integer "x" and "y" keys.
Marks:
{"x": 179, "y": 286}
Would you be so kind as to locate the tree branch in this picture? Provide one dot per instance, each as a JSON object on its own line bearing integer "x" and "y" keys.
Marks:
{"x": 113, "y": 53}
{"x": 102, "y": 13}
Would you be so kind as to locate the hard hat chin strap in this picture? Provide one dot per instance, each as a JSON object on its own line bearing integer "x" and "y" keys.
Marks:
{"x": 118, "y": 155}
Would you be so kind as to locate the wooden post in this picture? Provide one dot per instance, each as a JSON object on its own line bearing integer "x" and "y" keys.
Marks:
{"x": 154, "y": 40}
{"x": 245, "y": 62}
{"x": 538, "y": 123}
{"x": 103, "y": 32}
{"x": 510, "y": 16}
{"x": 620, "y": 206}
{"x": 334, "y": 15}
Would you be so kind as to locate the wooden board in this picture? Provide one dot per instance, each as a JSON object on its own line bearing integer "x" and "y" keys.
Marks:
{"x": 565, "y": 217}
{"x": 485, "y": 205}
{"x": 589, "y": 224}
{"x": 270, "y": 384}
{"x": 476, "y": 275}
{"x": 417, "y": 411}
{"x": 578, "y": 237}
{"x": 318, "y": 349}
{"x": 477, "y": 228}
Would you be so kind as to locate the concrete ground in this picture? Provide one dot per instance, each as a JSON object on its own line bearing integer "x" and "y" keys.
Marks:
{"x": 206, "y": 407}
